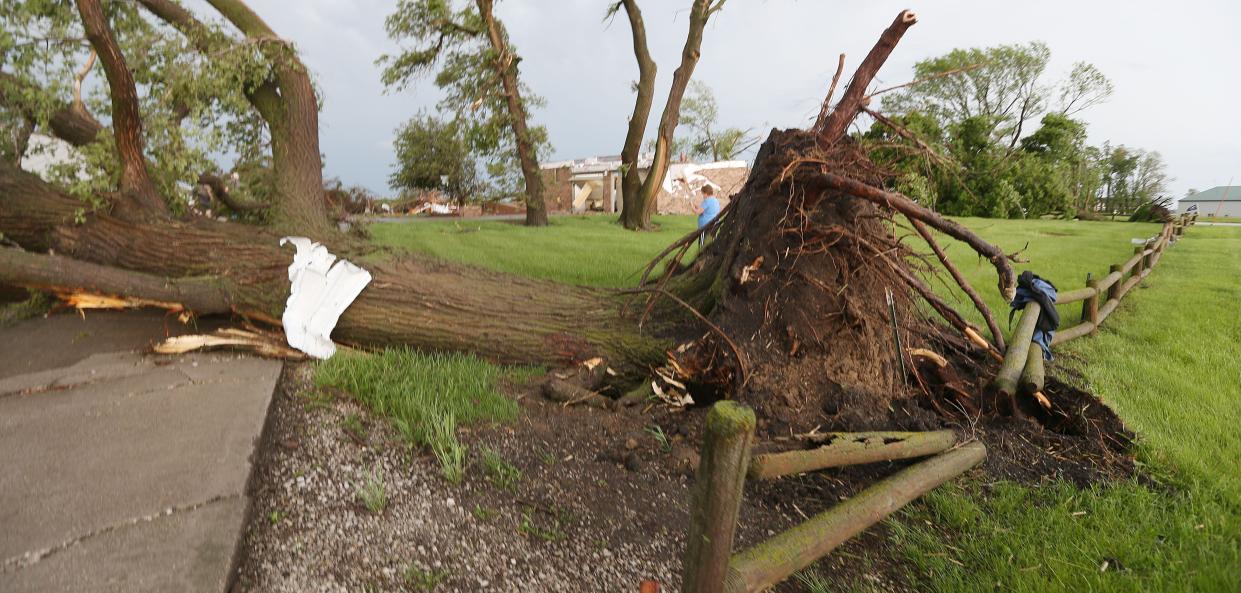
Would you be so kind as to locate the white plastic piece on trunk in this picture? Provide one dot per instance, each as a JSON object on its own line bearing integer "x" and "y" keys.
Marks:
{"x": 319, "y": 292}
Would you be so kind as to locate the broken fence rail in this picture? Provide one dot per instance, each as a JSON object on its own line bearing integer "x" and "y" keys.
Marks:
{"x": 710, "y": 565}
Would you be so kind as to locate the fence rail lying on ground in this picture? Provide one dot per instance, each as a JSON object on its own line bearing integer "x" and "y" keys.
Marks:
{"x": 710, "y": 565}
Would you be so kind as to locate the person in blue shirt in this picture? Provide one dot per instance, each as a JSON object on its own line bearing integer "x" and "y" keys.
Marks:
{"x": 707, "y": 209}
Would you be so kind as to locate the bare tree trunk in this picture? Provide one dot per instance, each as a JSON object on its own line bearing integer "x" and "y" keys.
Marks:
{"x": 506, "y": 69}
{"x": 142, "y": 199}
{"x": 631, "y": 180}
{"x": 643, "y": 204}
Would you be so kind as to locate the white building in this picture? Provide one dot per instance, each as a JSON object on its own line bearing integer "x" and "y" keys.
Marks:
{"x": 1224, "y": 200}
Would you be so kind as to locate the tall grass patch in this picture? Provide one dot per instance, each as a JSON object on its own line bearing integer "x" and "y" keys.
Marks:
{"x": 425, "y": 396}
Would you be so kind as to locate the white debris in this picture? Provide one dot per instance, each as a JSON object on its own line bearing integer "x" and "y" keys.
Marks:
{"x": 321, "y": 288}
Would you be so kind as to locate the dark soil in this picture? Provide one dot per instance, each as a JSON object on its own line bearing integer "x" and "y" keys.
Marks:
{"x": 600, "y": 505}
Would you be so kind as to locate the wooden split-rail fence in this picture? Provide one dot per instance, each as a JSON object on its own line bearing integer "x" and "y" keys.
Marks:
{"x": 710, "y": 564}
{"x": 1022, "y": 368}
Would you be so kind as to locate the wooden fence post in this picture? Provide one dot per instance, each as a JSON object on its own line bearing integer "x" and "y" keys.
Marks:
{"x": 1141, "y": 265}
{"x": 716, "y": 497}
{"x": 1086, "y": 302}
{"x": 1113, "y": 291}
{"x": 1090, "y": 308}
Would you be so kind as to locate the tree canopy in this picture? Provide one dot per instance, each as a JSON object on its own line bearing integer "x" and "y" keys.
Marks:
{"x": 449, "y": 42}
{"x": 700, "y": 115}
{"x": 194, "y": 108}
{"x": 962, "y": 138}
{"x": 432, "y": 154}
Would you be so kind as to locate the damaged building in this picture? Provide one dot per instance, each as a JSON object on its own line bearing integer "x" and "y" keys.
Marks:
{"x": 594, "y": 184}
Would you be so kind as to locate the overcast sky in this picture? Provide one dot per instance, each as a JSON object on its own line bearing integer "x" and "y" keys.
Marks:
{"x": 1174, "y": 64}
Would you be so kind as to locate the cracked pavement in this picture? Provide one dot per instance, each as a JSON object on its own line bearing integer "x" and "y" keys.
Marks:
{"x": 121, "y": 471}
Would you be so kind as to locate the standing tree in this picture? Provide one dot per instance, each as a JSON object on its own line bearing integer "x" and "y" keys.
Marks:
{"x": 431, "y": 154}
{"x": 701, "y": 114}
{"x": 783, "y": 308}
{"x": 638, "y": 206}
{"x": 478, "y": 72}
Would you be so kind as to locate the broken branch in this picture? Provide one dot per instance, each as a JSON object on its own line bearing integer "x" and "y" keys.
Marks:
{"x": 997, "y": 336}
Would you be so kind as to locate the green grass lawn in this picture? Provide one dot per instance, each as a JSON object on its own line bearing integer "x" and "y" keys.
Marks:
{"x": 1167, "y": 361}
{"x": 1061, "y": 251}
{"x": 593, "y": 250}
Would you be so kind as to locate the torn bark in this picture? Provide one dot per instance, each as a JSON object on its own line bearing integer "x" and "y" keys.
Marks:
{"x": 69, "y": 276}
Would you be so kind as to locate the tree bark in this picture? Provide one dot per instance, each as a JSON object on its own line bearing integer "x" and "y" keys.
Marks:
{"x": 411, "y": 301}
{"x": 631, "y": 179}
{"x": 289, "y": 106}
{"x": 68, "y": 121}
{"x": 642, "y": 205}
{"x": 506, "y": 69}
{"x": 142, "y": 199}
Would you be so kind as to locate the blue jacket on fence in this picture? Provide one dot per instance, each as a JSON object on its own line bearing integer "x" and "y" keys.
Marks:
{"x": 1030, "y": 288}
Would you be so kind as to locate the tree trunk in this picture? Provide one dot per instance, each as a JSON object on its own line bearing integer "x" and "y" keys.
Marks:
{"x": 784, "y": 308}
{"x": 642, "y": 204}
{"x": 291, "y": 110}
{"x": 411, "y": 301}
{"x": 142, "y": 200}
{"x": 506, "y": 69}
{"x": 631, "y": 179}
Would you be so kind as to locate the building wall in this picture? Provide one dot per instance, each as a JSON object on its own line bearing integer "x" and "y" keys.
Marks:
{"x": 1230, "y": 209}
{"x": 557, "y": 189}
{"x": 730, "y": 181}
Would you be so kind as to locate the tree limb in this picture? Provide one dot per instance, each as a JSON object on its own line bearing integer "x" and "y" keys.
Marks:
{"x": 70, "y": 122}
{"x": 136, "y": 185}
{"x": 854, "y": 97}
{"x": 220, "y": 191}
{"x": 997, "y": 336}
{"x": 66, "y": 276}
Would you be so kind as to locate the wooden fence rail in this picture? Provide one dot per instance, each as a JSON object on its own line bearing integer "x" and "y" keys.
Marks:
{"x": 1121, "y": 279}
{"x": 710, "y": 565}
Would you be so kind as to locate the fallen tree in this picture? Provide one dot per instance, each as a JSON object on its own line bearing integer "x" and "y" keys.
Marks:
{"x": 785, "y": 308}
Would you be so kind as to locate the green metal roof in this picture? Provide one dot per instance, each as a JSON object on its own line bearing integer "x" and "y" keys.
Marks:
{"x": 1216, "y": 194}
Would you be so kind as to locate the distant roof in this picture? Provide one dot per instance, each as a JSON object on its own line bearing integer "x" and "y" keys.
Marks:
{"x": 1225, "y": 193}
{"x": 598, "y": 164}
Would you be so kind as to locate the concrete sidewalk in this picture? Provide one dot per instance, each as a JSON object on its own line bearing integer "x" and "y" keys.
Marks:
{"x": 121, "y": 471}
